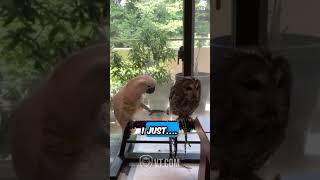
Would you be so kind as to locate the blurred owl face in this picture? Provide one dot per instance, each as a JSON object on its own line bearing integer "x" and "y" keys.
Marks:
{"x": 190, "y": 88}
{"x": 258, "y": 87}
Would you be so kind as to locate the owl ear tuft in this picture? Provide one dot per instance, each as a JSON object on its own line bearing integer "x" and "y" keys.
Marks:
{"x": 282, "y": 68}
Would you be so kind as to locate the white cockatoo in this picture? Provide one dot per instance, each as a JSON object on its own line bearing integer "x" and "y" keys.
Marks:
{"x": 129, "y": 98}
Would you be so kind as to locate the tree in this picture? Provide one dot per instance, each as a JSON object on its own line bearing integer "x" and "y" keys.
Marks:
{"x": 149, "y": 55}
{"x": 35, "y": 34}
{"x": 131, "y": 21}
{"x": 130, "y": 18}
{"x": 40, "y": 32}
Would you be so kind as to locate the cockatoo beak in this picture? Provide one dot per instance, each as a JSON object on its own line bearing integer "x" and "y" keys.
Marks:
{"x": 150, "y": 90}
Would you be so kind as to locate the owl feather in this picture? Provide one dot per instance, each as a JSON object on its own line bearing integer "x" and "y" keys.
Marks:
{"x": 184, "y": 99}
{"x": 251, "y": 97}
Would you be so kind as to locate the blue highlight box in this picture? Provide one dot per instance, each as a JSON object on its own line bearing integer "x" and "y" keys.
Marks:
{"x": 161, "y": 129}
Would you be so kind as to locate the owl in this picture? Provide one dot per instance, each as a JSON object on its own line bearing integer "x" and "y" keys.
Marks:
{"x": 184, "y": 99}
{"x": 251, "y": 97}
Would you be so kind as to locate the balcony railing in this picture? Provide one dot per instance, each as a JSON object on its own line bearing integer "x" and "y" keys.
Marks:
{"x": 206, "y": 43}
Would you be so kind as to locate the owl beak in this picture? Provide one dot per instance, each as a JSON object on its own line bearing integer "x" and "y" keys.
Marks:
{"x": 150, "y": 90}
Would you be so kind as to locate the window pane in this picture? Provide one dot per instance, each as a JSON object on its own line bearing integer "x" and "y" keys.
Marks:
{"x": 145, "y": 38}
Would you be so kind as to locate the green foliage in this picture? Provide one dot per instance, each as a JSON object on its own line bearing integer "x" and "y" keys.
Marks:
{"x": 152, "y": 23}
{"x": 38, "y": 33}
{"x": 35, "y": 34}
{"x": 130, "y": 19}
{"x": 45, "y": 31}
{"x": 150, "y": 55}
{"x": 202, "y": 18}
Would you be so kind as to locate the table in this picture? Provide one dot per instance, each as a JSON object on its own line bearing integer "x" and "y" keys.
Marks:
{"x": 202, "y": 125}
{"x": 125, "y": 157}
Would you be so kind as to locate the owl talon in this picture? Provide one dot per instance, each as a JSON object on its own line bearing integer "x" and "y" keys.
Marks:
{"x": 171, "y": 142}
{"x": 175, "y": 146}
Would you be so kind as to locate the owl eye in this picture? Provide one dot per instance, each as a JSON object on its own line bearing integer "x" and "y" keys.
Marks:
{"x": 252, "y": 85}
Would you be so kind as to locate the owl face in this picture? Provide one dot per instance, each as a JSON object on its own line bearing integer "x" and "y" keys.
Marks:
{"x": 257, "y": 87}
{"x": 251, "y": 94}
{"x": 190, "y": 88}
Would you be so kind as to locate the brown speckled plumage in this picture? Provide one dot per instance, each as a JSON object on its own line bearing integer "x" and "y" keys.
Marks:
{"x": 185, "y": 97}
{"x": 251, "y": 94}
